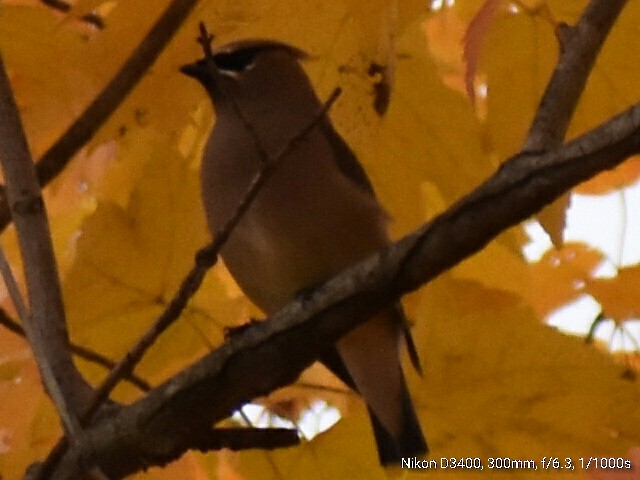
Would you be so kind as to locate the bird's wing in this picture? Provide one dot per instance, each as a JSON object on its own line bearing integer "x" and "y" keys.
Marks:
{"x": 346, "y": 160}
{"x": 333, "y": 362}
{"x": 351, "y": 168}
{"x": 411, "y": 346}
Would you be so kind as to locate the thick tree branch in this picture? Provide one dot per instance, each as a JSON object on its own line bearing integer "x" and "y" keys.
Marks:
{"x": 176, "y": 415}
{"x": 44, "y": 323}
{"x": 57, "y": 157}
{"x": 246, "y": 438}
{"x": 80, "y": 132}
{"x": 160, "y": 426}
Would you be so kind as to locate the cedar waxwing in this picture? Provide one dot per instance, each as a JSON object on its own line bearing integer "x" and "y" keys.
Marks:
{"x": 315, "y": 216}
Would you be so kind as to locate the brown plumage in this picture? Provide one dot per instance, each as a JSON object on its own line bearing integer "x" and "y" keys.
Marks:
{"x": 316, "y": 216}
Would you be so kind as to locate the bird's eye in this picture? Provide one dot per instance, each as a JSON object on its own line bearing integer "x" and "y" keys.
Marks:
{"x": 236, "y": 61}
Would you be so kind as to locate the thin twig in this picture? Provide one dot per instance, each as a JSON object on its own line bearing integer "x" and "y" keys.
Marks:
{"x": 59, "y": 5}
{"x": 11, "y": 324}
{"x": 57, "y": 157}
{"x": 84, "y": 353}
{"x": 12, "y": 287}
{"x": 271, "y": 354}
{"x": 108, "y": 100}
{"x": 205, "y": 259}
{"x": 205, "y": 39}
{"x": 246, "y": 438}
{"x": 521, "y": 187}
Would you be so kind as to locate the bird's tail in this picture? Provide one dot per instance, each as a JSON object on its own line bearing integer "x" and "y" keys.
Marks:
{"x": 409, "y": 443}
{"x": 391, "y": 450}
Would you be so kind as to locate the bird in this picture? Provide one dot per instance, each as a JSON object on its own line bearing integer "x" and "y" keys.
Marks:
{"x": 315, "y": 216}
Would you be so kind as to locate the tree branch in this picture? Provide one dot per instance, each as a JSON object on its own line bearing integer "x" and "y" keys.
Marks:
{"x": 164, "y": 424}
{"x": 57, "y": 157}
{"x": 80, "y": 132}
{"x": 205, "y": 259}
{"x": 44, "y": 324}
{"x": 19, "y": 303}
{"x": 159, "y": 427}
{"x": 246, "y": 438}
{"x": 78, "y": 350}
{"x": 579, "y": 49}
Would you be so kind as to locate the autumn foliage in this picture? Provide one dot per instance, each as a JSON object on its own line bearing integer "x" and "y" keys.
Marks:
{"x": 466, "y": 79}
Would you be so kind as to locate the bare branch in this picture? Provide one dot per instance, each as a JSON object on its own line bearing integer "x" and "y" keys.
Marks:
{"x": 80, "y": 132}
{"x": 59, "y": 5}
{"x": 11, "y": 324}
{"x": 12, "y": 287}
{"x": 205, "y": 39}
{"x": 205, "y": 259}
{"x": 82, "y": 352}
{"x": 246, "y": 438}
{"x": 580, "y": 46}
{"x": 56, "y": 158}
{"x": 45, "y": 324}
{"x": 160, "y": 426}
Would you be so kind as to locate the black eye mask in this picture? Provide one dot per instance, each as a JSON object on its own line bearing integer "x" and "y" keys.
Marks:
{"x": 236, "y": 61}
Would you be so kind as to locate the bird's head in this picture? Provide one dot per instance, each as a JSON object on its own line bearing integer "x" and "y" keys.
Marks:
{"x": 258, "y": 71}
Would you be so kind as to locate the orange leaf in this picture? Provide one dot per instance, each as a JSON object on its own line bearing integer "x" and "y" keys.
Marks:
{"x": 558, "y": 276}
{"x": 622, "y": 176}
{"x": 474, "y": 39}
{"x": 619, "y": 295}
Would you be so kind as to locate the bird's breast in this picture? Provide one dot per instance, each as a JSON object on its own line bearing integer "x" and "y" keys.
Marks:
{"x": 307, "y": 222}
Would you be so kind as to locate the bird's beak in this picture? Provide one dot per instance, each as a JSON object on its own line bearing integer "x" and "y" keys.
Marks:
{"x": 193, "y": 70}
